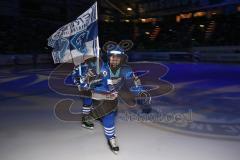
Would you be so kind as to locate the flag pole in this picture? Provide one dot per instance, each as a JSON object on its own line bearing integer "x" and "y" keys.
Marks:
{"x": 98, "y": 48}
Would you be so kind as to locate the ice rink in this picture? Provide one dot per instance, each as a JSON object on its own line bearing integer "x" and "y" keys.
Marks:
{"x": 207, "y": 94}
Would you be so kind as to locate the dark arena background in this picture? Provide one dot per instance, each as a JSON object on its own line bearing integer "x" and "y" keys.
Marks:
{"x": 187, "y": 52}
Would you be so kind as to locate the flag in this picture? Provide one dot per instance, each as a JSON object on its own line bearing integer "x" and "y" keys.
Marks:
{"x": 77, "y": 40}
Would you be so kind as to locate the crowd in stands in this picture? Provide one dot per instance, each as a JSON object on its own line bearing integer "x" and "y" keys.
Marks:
{"x": 25, "y": 35}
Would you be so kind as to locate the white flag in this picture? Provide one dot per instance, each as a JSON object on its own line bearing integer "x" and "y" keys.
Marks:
{"x": 77, "y": 40}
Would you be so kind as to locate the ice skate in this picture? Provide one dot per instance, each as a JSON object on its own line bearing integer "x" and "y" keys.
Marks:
{"x": 87, "y": 122}
{"x": 113, "y": 145}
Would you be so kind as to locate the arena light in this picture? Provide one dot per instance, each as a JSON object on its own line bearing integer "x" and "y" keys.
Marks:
{"x": 199, "y": 14}
{"x": 186, "y": 15}
{"x": 129, "y": 9}
{"x": 238, "y": 8}
{"x": 178, "y": 18}
{"x": 149, "y": 20}
{"x": 147, "y": 33}
{"x": 106, "y": 20}
{"x": 201, "y": 25}
{"x": 127, "y": 20}
{"x": 143, "y": 20}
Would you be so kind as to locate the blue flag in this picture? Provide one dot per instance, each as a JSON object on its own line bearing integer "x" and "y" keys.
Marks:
{"x": 77, "y": 40}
